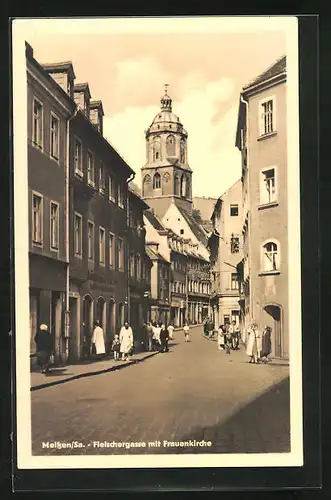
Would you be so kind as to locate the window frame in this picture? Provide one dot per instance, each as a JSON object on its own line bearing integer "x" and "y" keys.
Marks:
{"x": 102, "y": 180}
{"x": 264, "y": 203}
{"x": 91, "y": 222}
{"x": 120, "y": 267}
{"x": 235, "y": 237}
{"x": 234, "y": 281}
{"x": 111, "y": 261}
{"x": 120, "y": 196}
{"x": 54, "y": 248}
{"x": 234, "y": 206}
{"x": 157, "y": 176}
{"x": 261, "y": 103}
{"x": 76, "y": 254}
{"x": 90, "y": 182}
{"x": 38, "y": 243}
{"x": 111, "y": 188}
{"x": 265, "y": 271}
{"x": 78, "y": 171}
{"x": 36, "y": 144}
{"x": 55, "y": 158}
{"x": 102, "y": 263}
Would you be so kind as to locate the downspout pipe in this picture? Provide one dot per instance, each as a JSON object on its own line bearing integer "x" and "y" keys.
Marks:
{"x": 127, "y": 248}
{"x": 245, "y": 102}
{"x": 67, "y": 212}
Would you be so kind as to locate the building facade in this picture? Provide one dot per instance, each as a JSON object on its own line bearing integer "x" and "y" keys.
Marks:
{"x": 49, "y": 110}
{"x": 226, "y": 246}
{"x": 98, "y": 285}
{"x": 160, "y": 285}
{"x": 261, "y": 138}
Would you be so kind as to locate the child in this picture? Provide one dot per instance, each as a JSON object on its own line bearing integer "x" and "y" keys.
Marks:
{"x": 220, "y": 337}
{"x": 116, "y": 347}
{"x": 186, "y": 332}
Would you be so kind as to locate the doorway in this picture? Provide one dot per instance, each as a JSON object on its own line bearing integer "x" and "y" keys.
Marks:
{"x": 277, "y": 334}
{"x": 72, "y": 341}
{"x": 87, "y": 325}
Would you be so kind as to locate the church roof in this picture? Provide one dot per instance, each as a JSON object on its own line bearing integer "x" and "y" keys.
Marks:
{"x": 196, "y": 228}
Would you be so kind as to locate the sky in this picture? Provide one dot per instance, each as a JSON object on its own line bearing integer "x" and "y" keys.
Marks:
{"x": 205, "y": 73}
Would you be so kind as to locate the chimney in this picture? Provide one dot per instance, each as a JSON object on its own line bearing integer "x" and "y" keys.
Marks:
{"x": 96, "y": 115}
{"x": 82, "y": 97}
{"x": 63, "y": 74}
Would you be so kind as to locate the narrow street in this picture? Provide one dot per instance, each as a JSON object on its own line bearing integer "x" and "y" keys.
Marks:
{"x": 193, "y": 392}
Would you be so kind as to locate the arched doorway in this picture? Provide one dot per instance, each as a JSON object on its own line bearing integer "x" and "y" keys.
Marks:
{"x": 277, "y": 335}
{"x": 101, "y": 312}
{"x": 87, "y": 325}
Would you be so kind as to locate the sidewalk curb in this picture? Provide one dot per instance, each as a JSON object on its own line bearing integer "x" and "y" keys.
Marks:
{"x": 90, "y": 374}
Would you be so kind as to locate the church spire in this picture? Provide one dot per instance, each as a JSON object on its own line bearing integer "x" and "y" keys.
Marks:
{"x": 166, "y": 101}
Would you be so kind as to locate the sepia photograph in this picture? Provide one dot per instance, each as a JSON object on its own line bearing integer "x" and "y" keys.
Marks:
{"x": 157, "y": 242}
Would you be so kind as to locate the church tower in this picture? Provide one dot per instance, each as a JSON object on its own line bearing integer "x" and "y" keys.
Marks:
{"x": 166, "y": 177}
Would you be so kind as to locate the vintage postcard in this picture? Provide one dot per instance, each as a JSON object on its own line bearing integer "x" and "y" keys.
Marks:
{"x": 157, "y": 242}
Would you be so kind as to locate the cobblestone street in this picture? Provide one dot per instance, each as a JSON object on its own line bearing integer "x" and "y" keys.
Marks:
{"x": 193, "y": 392}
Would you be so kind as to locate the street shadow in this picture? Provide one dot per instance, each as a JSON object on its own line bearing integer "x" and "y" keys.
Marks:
{"x": 262, "y": 426}
{"x": 57, "y": 373}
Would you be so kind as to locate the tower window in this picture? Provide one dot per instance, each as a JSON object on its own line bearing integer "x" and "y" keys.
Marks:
{"x": 157, "y": 155}
{"x": 157, "y": 181}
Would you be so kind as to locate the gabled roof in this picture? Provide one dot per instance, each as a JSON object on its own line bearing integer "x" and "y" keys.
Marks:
{"x": 196, "y": 228}
{"x": 154, "y": 221}
{"x": 275, "y": 69}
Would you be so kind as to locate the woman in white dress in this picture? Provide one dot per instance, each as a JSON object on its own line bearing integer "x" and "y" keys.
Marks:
{"x": 254, "y": 344}
{"x": 126, "y": 340}
{"x": 98, "y": 339}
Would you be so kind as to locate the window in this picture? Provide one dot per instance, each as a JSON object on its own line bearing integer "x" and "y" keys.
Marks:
{"x": 120, "y": 194}
{"x": 78, "y": 235}
{"x": 157, "y": 181}
{"x": 270, "y": 257}
{"x": 111, "y": 188}
{"x": 102, "y": 181}
{"x": 170, "y": 145}
{"x": 132, "y": 265}
{"x": 234, "y": 244}
{"x": 138, "y": 268}
{"x": 234, "y": 210}
{"x": 90, "y": 238}
{"x": 111, "y": 250}
{"x": 37, "y": 127}
{"x": 78, "y": 157}
{"x": 102, "y": 247}
{"x": 267, "y": 124}
{"x": 37, "y": 218}
{"x": 90, "y": 168}
{"x": 143, "y": 270}
{"x": 54, "y": 222}
{"x": 120, "y": 254}
{"x": 268, "y": 186}
{"x": 55, "y": 137}
{"x": 234, "y": 281}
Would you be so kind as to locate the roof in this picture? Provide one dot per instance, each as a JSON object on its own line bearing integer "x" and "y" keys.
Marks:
{"x": 135, "y": 188}
{"x": 59, "y": 66}
{"x": 205, "y": 205}
{"x": 97, "y": 104}
{"x": 136, "y": 195}
{"x": 196, "y": 228}
{"x": 156, "y": 223}
{"x": 277, "y": 68}
{"x": 80, "y": 87}
{"x": 153, "y": 254}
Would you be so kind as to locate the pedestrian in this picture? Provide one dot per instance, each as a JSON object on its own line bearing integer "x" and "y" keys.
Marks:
{"x": 98, "y": 340}
{"x": 234, "y": 332}
{"x": 44, "y": 347}
{"x": 115, "y": 347}
{"x": 126, "y": 340}
{"x": 266, "y": 344}
{"x": 164, "y": 338}
{"x": 149, "y": 331}
{"x": 206, "y": 327}
{"x": 171, "y": 332}
{"x": 220, "y": 337}
{"x": 186, "y": 332}
{"x": 227, "y": 338}
{"x": 254, "y": 344}
{"x": 156, "y": 337}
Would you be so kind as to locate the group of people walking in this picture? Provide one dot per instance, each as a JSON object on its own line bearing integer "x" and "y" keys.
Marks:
{"x": 228, "y": 337}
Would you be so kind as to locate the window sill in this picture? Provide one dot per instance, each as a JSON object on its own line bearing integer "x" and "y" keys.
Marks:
{"x": 267, "y": 136}
{"x": 102, "y": 264}
{"x": 54, "y": 249}
{"x": 37, "y": 243}
{"x": 38, "y": 146}
{"x": 269, "y": 273}
{"x": 112, "y": 200}
{"x": 54, "y": 158}
{"x": 121, "y": 206}
{"x": 78, "y": 256}
{"x": 91, "y": 184}
{"x": 102, "y": 192}
{"x": 268, "y": 205}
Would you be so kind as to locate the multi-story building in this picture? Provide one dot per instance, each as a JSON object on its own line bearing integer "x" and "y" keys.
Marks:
{"x": 139, "y": 265}
{"x": 49, "y": 110}
{"x": 225, "y": 244}
{"x": 262, "y": 140}
{"x": 98, "y": 287}
{"x": 160, "y": 284}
